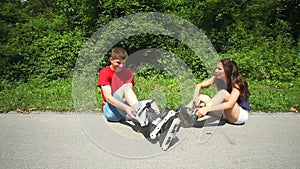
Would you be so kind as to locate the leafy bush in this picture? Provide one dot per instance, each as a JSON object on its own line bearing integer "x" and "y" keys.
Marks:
{"x": 41, "y": 42}
{"x": 268, "y": 59}
{"x": 41, "y": 47}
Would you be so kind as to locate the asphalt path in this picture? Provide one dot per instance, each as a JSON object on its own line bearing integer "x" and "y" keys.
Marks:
{"x": 87, "y": 140}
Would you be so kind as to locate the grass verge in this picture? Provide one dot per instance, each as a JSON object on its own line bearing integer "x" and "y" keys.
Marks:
{"x": 37, "y": 94}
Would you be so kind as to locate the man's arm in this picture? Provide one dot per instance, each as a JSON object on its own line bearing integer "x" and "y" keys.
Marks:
{"x": 110, "y": 99}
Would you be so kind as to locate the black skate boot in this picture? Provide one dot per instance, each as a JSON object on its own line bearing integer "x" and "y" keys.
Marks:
{"x": 146, "y": 113}
{"x": 187, "y": 116}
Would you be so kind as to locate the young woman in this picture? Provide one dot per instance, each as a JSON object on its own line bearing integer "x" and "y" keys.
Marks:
{"x": 233, "y": 94}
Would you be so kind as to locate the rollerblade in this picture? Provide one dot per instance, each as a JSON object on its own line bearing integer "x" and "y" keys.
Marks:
{"x": 167, "y": 124}
{"x": 170, "y": 133}
{"x": 187, "y": 116}
{"x": 147, "y": 113}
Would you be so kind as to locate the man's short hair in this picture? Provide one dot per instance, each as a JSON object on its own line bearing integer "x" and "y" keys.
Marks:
{"x": 119, "y": 53}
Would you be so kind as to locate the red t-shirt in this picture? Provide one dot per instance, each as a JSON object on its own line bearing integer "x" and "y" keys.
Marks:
{"x": 107, "y": 76}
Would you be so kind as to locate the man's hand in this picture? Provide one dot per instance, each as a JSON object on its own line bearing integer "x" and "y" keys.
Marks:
{"x": 131, "y": 112}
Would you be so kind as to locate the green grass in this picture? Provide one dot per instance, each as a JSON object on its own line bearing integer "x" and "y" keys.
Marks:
{"x": 37, "y": 94}
{"x": 266, "y": 96}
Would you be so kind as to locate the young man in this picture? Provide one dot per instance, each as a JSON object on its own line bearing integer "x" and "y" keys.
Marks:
{"x": 120, "y": 103}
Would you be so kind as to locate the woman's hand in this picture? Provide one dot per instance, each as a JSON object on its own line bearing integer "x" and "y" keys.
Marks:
{"x": 196, "y": 101}
{"x": 202, "y": 112}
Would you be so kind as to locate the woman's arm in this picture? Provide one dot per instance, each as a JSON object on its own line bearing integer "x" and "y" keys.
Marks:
{"x": 228, "y": 103}
{"x": 203, "y": 85}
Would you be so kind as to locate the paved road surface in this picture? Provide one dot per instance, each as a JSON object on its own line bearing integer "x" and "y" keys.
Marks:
{"x": 78, "y": 141}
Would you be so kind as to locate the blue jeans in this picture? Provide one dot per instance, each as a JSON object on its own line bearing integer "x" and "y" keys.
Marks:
{"x": 113, "y": 113}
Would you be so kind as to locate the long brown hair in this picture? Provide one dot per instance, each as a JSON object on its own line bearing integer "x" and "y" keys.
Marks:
{"x": 234, "y": 78}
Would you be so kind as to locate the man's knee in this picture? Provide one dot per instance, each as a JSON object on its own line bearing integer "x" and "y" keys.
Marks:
{"x": 124, "y": 88}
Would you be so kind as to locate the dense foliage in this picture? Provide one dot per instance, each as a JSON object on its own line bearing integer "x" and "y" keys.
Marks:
{"x": 42, "y": 39}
